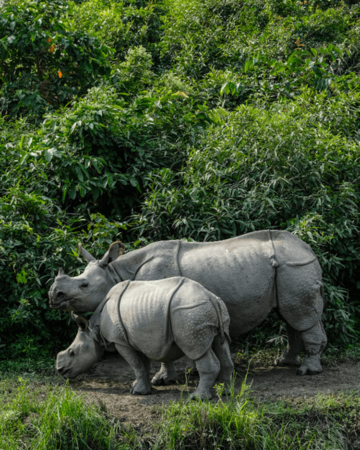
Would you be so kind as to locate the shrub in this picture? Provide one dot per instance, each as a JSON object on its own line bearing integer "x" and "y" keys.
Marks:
{"x": 37, "y": 238}
{"x": 185, "y": 119}
{"x": 43, "y": 65}
{"x": 282, "y": 167}
{"x": 118, "y": 24}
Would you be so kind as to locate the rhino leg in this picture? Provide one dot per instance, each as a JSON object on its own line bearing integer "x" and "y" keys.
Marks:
{"x": 141, "y": 366}
{"x": 314, "y": 341}
{"x": 208, "y": 367}
{"x": 166, "y": 375}
{"x": 222, "y": 352}
{"x": 290, "y": 357}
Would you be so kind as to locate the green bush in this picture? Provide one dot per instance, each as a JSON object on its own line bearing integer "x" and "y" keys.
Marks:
{"x": 43, "y": 65}
{"x": 292, "y": 166}
{"x": 118, "y": 24}
{"x": 36, "y": 239}
{"x": 174, "y": 119}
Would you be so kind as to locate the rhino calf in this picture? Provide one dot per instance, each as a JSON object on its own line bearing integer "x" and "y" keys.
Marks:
{"x": 155, "y": 320}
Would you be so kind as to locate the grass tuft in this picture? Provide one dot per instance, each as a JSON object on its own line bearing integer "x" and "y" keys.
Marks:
{"x": 239, "y": 422}
{"x": 56, "y": 419}
{"x": 37, "y": 416}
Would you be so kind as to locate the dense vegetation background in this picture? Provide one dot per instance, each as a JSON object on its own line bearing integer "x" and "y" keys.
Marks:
{"x": 186, "y": 119}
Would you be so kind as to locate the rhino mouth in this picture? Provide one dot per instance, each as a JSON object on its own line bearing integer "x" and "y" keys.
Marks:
{"x": 64, "y": 303}
{"x": 66, "y": 373}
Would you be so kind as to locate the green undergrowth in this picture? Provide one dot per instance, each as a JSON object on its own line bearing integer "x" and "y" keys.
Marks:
{"x": 247, "y": 355}
{"x": 241, "y": 423}
{"x": 52, "y": 418}
{"x": 47, "y": 415}
{"x": 141, "y": 121}
{"x": 40, "y": 367}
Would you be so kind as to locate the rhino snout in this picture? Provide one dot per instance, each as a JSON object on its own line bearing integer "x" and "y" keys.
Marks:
{"x": 57, "y": 298}
{"x": 63, "y": 371}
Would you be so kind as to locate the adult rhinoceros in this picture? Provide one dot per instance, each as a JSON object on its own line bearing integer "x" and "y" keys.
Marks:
{"x": 252, "y": 274}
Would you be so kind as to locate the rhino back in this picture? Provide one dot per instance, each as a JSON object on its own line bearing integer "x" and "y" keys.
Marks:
{"x": 291, "y": 250}
{"x": 239, "y": 271}
{"x": 145, "y": 314}
{"x": 153, "y": 262}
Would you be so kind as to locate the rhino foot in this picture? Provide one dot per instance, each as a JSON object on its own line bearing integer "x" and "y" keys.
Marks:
{"x": 140, "y": 388}
{"x": 202, "y": 395}
{"x": 166, "y": 375}
{"x": 310, "y": 366}
{"x": 286, "y": 360}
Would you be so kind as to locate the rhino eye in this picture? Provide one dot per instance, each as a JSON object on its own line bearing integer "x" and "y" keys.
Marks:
{"x": 71, "y": 352}
{"x": 85, "y": 284}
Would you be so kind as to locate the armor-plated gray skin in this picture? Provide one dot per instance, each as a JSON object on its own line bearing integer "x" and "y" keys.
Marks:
{"x": 156, "y": 320}
{"x": 253, "y": 274}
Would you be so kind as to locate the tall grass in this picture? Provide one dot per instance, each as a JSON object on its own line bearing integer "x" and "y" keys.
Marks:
{"x": 47, "y": 418}
{"x": 239, "y": 422}
{"x": 55, "y": 419}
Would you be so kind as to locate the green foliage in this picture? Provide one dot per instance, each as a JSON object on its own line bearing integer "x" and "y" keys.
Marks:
{"x": 42, "y": 65}
{"x": 272, "y": 168}
{"x": 36, "y": 238}
{"x": 240, "y": 422}
{"x": 98, "y": 152}
{"x": 174, "y": 119}
{"x": 61, "y": 419}
{"x": 119, "y": 24}
{"x": 56, "y": 417}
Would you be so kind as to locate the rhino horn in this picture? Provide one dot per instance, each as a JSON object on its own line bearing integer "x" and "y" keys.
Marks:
{"x": 85, "y": 254}
{"x": 115, "y": 250}
{"x": 80, "y": 321}
{"x": 61, "y": 272}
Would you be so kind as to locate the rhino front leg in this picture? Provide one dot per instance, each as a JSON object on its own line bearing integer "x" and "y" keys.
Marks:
{"x": 166, "y": 375}
{"x": 290, "y": 357}
{"x": 314, "y": 341}
{"x": 141, "y": 366}
{"x": 222, "y": 352}
{"x": 208, "y": 367}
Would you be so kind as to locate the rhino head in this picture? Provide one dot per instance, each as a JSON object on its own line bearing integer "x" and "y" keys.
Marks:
{"x": 86, "y": 291}
{"x": 82, "y": 354}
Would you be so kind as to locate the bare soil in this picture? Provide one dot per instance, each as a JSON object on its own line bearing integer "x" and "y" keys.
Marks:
{"x": 110, "y": 380}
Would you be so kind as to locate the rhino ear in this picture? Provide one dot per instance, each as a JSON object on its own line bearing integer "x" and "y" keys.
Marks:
{"x": 115, "y": 250}
{"x": 85, "y": 254}
{"x": 80, "y": 321}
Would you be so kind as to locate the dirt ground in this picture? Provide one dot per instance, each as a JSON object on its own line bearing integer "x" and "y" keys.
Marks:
{"x": 110, "y": 380}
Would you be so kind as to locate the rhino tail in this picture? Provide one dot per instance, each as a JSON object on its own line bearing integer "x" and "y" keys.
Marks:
{"x": 217, "y": 306}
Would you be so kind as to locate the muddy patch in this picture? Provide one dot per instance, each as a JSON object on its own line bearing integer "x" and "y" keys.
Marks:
{"x": 110, "y": 380}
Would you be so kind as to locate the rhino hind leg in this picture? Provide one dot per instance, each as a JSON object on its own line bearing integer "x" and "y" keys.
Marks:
{"x": 290, "y": 357}
{"x": 141, "y": 366}
{"x": 208, "y": 367}
{"x": 166, "y": 375}
{"x": 222, "y": 352}
{"x": 314, "y": 341}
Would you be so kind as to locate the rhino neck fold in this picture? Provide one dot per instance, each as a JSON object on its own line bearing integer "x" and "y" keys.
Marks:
{"x": 114, "y": 274}
{"x": 94, "y": 324}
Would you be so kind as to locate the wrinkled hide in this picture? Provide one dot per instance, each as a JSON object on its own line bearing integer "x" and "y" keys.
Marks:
{"x": 252, "y": 274}
{"x": 162, "y": 320}
{"x": 160, "y": 317}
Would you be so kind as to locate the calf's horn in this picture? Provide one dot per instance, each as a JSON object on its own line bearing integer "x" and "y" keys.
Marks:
{"x": 80, "y": 321}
